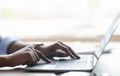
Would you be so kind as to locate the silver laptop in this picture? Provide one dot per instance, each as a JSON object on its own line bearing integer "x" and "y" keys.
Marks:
{"x": 87, "y": 61}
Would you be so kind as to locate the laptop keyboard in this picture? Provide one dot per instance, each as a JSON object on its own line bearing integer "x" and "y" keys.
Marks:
{"x": 85, "y": 61}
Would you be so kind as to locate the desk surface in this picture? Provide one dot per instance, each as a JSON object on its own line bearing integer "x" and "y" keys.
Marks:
{"x": 109, "y": 64}
{"x": 23, "y": 73}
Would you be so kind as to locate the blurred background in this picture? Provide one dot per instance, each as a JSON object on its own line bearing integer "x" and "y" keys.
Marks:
{"x": 50, "y": 20}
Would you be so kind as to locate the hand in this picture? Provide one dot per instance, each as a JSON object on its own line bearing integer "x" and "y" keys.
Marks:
{"x": 52, "y": 50}
{"x": 26, "y": 55}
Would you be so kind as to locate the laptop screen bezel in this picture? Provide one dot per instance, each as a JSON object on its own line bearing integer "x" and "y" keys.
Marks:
{"x": 106, "y": 39}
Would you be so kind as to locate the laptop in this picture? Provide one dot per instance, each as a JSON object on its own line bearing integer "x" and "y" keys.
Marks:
{"x": 86, "y": 63}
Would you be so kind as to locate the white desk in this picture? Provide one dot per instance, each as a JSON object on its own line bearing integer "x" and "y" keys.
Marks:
{"x": 109, "y": 64}
{"x": 23, "y": 73}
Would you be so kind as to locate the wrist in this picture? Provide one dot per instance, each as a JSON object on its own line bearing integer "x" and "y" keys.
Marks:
{"x": 17, "y": 58}
{"x": 4, "y": 60}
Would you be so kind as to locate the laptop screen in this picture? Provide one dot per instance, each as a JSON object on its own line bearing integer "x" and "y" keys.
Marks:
{"x": 108, "y": 36}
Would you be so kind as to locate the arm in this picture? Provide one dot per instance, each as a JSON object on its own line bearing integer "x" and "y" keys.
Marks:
{"x": 9, "y": 45}
{"x": 3, "y": 60}
{"x": 14, "y": 52}
{"x": 25, "y": 56}
{"x": 15, "y": 46}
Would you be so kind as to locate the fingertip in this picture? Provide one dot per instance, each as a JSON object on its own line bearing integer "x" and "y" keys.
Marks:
{"x": 48, "y": 61}
{"x": 78, "y": 57}
{"x": 59, "y": 41}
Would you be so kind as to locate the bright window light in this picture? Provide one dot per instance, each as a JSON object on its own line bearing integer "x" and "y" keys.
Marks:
{"x": 57, "y": 18}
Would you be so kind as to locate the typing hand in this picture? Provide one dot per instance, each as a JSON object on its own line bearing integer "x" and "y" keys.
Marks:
{"x": 26, "y": 55}
{"x": 57, "y": 49}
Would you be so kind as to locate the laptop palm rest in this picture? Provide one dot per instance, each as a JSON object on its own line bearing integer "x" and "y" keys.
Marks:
{"x": 68, "y": 64}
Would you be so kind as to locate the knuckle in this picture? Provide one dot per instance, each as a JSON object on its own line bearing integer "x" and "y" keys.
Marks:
{"x": 28, "y": 53}
{"x": 28, "y": 49}
{"x": 56, "y": 44}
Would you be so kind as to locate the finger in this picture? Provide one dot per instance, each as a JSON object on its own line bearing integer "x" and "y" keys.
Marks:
{"x": 28, "y": 48}
{"x": 33, "y": 57}
{"x": 59, "y": 54}
{"x": 70, "y": 50}
{"x": 42, "y": 56}
{"x": 34, "y": 54}
{"x": 66, "y": 50}
{"x": 73, "y": 53}
{"x": 37, "y": 45}
{"x": 27, "y": 51}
